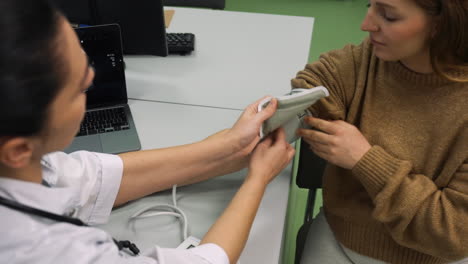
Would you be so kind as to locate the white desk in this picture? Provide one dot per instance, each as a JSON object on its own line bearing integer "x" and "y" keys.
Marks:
{"x": 164, "y": 124}
{"x": 238, "y": 58}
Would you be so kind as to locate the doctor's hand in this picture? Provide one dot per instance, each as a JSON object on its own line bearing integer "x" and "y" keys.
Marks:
{"x": 270, "y": 157}
{"x": 338, "y": 142}
{"x": 246, "y": 130}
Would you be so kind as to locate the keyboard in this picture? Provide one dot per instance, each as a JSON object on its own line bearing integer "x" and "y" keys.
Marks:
{"x": 103, "y": 121}
{"x": 180, "y": 43}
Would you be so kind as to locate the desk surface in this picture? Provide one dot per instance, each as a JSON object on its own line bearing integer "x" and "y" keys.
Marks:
{"x": 165, "y": 124}
{"x": 238, "y": 58}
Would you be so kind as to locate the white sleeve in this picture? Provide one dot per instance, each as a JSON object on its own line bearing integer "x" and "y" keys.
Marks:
{"x": 64, "y": 243}
{"x": 94, "y": 177}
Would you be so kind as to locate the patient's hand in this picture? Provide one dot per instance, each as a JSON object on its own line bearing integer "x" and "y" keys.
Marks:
{"x": 247, "y": 127}
{"x": 338, "y": 142}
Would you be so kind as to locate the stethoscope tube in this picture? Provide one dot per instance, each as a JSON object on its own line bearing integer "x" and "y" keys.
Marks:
{"x": 62, "y": 218}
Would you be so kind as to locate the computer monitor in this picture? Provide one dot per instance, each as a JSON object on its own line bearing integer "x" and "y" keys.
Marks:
{"x": 141, "y": 22}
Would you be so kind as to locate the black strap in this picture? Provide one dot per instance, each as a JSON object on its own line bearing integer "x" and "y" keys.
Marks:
{"x": 38, "y": 212}
{"x": 62, "y": 218}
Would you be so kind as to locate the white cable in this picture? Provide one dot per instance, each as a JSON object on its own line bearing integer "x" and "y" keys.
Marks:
{"x": 158, "y": 209}
{"x": 156, "y": 214}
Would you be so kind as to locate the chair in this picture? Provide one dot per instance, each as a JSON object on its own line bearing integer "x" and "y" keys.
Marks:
{"x": 215, "y": 4}
{"x": 310, "y": 169}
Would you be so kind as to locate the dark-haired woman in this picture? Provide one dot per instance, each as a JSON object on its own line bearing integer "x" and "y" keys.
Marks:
{"x": 395, "y": 134}
{"x": 43, "y": 78}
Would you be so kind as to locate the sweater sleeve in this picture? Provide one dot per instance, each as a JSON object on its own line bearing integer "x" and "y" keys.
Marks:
{"x": 338, "y": 71}
{"x": 415, "y": 210}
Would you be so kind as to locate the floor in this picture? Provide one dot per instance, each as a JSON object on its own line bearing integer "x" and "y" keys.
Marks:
{"x": 336, "y": 24}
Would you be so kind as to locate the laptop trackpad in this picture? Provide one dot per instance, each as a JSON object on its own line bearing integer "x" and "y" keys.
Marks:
{"x": 90, "y": 143}
{"x": 120, "y": 141}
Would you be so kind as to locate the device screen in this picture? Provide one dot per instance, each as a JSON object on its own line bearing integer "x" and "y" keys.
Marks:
{"x": 102, "y": 44}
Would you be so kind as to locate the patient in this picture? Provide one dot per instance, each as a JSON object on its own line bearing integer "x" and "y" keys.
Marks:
{"x": 394, "y": 131}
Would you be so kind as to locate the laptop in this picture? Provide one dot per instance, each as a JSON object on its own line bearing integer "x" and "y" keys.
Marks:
{"x": 108, "y": 125}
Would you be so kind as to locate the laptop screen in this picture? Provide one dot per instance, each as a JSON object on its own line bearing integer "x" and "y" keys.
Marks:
{"x": 103, "y": 45}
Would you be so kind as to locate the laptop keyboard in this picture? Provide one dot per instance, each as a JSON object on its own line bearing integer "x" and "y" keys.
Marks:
{"x": 104, "y": 121}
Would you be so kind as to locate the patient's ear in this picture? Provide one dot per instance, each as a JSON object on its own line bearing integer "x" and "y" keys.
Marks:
{"x": 16, "y": 152}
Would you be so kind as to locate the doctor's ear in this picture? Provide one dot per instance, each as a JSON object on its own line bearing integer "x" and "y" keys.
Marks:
{"x": 16, "y": 152}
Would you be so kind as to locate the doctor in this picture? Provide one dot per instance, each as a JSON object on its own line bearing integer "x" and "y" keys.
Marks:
{"x": 44, "y": 75}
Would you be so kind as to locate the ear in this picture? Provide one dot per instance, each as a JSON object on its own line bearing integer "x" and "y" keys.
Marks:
{"x": 16, "y": 152}
{"x": 434, "y": 31}
{"x": 435, "y": 27}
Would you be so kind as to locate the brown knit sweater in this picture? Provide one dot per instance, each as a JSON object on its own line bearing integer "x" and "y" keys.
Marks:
{"x": 406, "y": 200}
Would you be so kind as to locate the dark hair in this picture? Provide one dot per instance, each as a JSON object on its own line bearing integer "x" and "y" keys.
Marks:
{"x": 30, "y": 67}
{"x": 449, "y": 44}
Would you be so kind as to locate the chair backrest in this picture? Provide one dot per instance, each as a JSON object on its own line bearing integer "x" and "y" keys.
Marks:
{"x": 310, "y": 168}
{"x": 215, "y": 4}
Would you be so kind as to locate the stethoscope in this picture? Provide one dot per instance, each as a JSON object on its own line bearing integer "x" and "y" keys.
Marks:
{"x": 62, "y": 218}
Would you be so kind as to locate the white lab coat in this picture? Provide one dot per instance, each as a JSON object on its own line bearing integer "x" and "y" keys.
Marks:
{"x": 83, "y": 185}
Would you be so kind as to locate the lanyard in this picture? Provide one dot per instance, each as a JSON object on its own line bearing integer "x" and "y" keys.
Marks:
{"x": 62, "y": 218}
